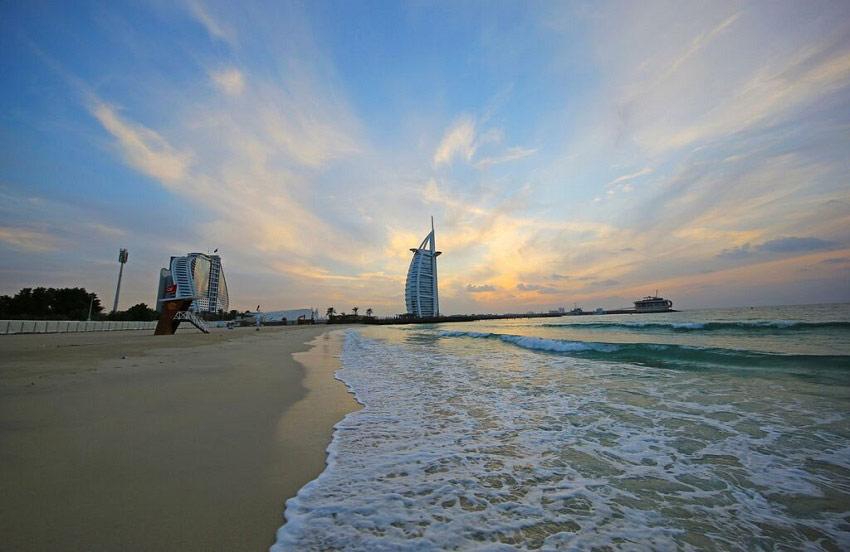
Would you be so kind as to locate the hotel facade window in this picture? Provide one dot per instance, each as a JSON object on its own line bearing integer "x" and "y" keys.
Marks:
{"x": 420, "y": 290}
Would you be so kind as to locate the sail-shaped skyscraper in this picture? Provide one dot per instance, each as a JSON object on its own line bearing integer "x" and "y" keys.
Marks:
{"x": 420, "y": 290}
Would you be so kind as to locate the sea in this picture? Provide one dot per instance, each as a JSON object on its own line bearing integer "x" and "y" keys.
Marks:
{"x": 725, "y": 429}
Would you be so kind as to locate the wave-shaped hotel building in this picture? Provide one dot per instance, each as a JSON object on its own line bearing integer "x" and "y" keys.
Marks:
{"x": 195, "y": 276}
{"x": 420, "y": 290}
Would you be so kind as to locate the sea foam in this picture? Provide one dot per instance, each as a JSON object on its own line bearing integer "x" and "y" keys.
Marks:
{"x": 464, "y": 446}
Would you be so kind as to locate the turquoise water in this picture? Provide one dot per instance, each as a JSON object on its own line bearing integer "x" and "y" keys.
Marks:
{"x": 722, "y": 429}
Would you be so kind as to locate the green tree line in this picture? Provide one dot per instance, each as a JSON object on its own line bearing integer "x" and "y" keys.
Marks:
{"x": 64, "y": 304}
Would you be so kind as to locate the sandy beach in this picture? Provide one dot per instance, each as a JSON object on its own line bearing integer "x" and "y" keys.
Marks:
{"x": 126, "y": 441}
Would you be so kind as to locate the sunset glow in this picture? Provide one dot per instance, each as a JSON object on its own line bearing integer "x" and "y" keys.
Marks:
{"x": 584, "y": 153}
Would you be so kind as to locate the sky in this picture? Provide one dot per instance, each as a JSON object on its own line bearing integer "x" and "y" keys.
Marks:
{"x": 570, "y": 152}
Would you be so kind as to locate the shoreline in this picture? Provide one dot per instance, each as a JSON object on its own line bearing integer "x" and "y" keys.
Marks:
{"x": 192, "y": 442}
{"x": 304, "y": 431}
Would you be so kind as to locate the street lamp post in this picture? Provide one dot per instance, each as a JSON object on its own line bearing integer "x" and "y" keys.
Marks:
{"x": 122, "y": 258}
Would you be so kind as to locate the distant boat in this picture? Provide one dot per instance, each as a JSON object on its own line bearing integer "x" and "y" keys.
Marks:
{"x": 653, "y": 303}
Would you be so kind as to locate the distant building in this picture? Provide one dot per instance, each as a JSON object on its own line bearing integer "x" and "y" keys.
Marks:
{"x": 195, "y": 276}
{"x": 290, "y": 316}
{"x": 420, "y": 289}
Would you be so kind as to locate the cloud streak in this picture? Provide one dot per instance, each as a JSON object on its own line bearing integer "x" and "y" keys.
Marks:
{"x": 789, "y": 244}
{"x": 483, "y": 288}
{"x": 215, "y": 29}
{"x": 457, "y": 141}
{"x": 145, "y": 149}
{"x": 24, "y": 239}
{"x": 464, "y": 138}
{"x": 627, "y": 177}
{"x": 512, "y": 154}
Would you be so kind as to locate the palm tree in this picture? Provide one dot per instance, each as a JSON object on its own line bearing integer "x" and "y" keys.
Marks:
{"x": 355, "y": 309}
{"x": 369, "y": 312}
{"x": 331, "y": 312}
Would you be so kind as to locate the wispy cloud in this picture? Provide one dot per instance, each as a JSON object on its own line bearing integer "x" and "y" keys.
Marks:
{"x": 621, "y": 184}
{"x": 465, "y": 137}
{"x": 24, "y": 239}
{"x": 230, "y": 81}
{"x": 767, "y": 96}
{"x": 738, "y": 252}
{"x": 457, "y": 141}
{"x": 215, "y": 29}
{"x": 104, "y": 229}
{"x": 537, "y": 288}
{"x": 473, "y": 288}
{"x": 512, "y": 154}
{"x": 144, "y": 148}
{"x": 789, "y": 244}
{"x": 792, "y": 244}
{"x": 528, "y": 287}
{"x": 700, "y": 42}
{"x": 627, "y": 177}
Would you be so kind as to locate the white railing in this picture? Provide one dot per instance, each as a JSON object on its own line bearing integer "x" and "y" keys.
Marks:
{"x": 190, "y": 316}
{"x": 67, "y": 326}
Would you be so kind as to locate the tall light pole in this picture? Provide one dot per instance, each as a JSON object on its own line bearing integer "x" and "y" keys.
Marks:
{"x": 122, "y": 258}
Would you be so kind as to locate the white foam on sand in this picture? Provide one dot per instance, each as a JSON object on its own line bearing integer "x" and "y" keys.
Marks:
{"x": 473, "y": 444}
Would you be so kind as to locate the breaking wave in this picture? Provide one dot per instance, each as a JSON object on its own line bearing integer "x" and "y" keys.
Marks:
{"x": 665, "y": 355}
{"x": 743, "y": 326}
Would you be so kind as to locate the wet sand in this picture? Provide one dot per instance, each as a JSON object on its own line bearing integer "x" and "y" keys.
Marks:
{"x": 190, "y": 442}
